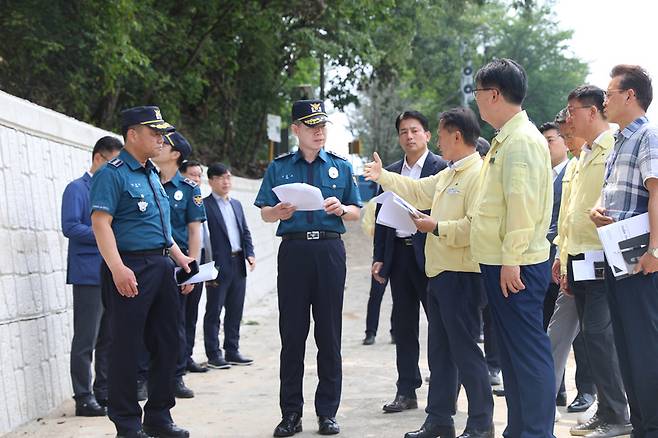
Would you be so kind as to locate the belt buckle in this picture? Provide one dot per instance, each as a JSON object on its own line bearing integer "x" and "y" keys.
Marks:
{"x": 312, "y": 235}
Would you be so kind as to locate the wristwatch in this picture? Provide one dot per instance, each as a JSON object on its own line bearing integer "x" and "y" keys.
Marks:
{"x": 435, "y": 231}
{"x": 653, "y": 252}
{"x": 344, "y": 211}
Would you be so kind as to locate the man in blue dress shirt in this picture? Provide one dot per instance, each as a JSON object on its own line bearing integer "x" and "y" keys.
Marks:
{"x": 130, "y": 219}
{"x": 311, "y": 265}
{"x": 90, "y": 329}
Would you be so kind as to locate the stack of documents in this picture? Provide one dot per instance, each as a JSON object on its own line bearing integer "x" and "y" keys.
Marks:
{"x": 303, "y": 196}
{"x": 624, "y": 242}
{"x": 207, "y": 272}
{"x": 396, "y": 213}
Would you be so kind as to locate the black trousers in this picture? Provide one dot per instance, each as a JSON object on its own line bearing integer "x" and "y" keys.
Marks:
{"x": 311, "y": 279}
{"x": 634, "y": 313}
{"x": 453, "y": 312}
{"x": 374, "y": 305}
{"x": 491, "y": 352}
{"x": 409, "y": 291}
{"x": 191, "y": 317}
{"x": 226, "y": 293}
{"x": 596, "y": 330}
{"x": 150, "y": 318}
{"x": 91, "y": 339}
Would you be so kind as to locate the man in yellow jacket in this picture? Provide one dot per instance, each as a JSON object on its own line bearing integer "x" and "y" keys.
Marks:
{"x": 508, "y": 239}
{"x": 455, "y": 289}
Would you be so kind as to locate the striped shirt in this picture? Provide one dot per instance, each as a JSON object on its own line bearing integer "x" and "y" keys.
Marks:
{"x": 633, "y": 160}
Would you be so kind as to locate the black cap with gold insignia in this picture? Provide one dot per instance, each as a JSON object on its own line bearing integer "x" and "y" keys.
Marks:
{"x": 309, "y": 112}
{"x": 145, "y": 115}
{"x": 179, "y": 143}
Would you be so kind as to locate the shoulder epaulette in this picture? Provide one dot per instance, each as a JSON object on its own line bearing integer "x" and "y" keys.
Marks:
{"x": 285, "y": 154}
{"x": 116, "y": 162}
{"x": 189, "y": 182}
{"x": 337, "y": 155}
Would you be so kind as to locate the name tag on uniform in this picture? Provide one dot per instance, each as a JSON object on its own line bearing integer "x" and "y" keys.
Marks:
{"x": 453, "y": 191}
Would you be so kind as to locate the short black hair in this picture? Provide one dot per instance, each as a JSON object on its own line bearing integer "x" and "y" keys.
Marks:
{"x": 482, "y": 146}
{"x": 589, "y": 95}
{"x": 412, "y": 115}
{"x": 464, "y": 120}
{"x": 636, "y": 78}
{"x": 217, "y": 169}
{"x": 507, "y": 76}
{"x": 548, "y": 126}
{"x": 186, "y": 164}
{"x": 106, "y": 144}
{"x": 561, "y": 117}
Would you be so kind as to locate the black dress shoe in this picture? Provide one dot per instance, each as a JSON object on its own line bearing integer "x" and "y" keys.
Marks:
{"x": 369, "y": 339}
{"x": 238, "y": 359}
{"x": 142, "y": 390}
{"x": 134, "y": 434}
{"x": 181, "y": 390}
{"x": 327, "y": 426}
{"x": 478, "y": 433}
{"x": 167, "y": 431}
{"x": 494, "y": 378}
{"x": 561, "y": 399}
{"x": 290, "y": 424}
{"x": 581, "y": 403}
{"x": 499, "y": 392}
{"x": 89, "y": 407}
{"x": 429, "y": 430}
{"x": 401, "y": 403}
{"x": 218, "y": 364}
{"x": 194, "y": 367}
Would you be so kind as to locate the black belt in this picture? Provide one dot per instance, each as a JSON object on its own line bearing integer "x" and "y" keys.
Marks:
{"x": 236, "y": 253}
{"x": 406, "y": 241}
{"x": 311, "y": 235}
{"x": 147, "y": 252}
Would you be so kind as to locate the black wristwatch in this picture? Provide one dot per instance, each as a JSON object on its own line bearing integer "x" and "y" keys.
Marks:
{"x": 435, "y": 231}
{"x": 344, "y": 211}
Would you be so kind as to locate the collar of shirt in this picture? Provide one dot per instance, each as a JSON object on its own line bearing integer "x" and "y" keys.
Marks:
{"x": 91, "y": 175}
{"x": 632, "y": 127}
{"x": 557, "y": 169}
{"x": 176, "y": 180}
{"x": 463, "y": 162}
{"x": 220, "y": 199}
{"x": 299, "y": 156}
{"x": 511, "y": 125}
{"x": 420, "y": 163}
{"x": 132, "y": 162}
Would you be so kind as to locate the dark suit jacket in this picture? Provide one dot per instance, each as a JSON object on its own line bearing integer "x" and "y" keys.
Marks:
{"x": 385, "y": 236}
{"x": 84, "y": 259}
{"x": 221, "y": 245}
{"x": 557, "y": 200}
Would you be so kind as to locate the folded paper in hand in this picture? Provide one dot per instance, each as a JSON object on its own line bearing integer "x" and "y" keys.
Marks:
{"x": 624, "y": 242}
{"x": 395, "y": 213}
{"x": 207, "y": 272}
{"x": 303, "y": 196}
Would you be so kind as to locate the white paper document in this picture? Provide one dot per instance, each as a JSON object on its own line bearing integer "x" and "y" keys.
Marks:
{"x": 591, "y": 268}
{"x": 624, "y": 242}
{"x": 395, "y": 213}
{"x": 207, "y": 272}
{"x": 303, "y": 196}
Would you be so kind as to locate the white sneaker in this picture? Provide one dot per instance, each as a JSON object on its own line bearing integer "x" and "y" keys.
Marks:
{"x": 558, "y": 416}
{"x": 584, "y": 417}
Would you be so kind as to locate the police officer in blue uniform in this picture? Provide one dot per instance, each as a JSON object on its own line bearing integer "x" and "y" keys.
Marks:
{"x": 130, "y": 219}
{"x": 311, "y": 265}
{"x": 187, "y": 213}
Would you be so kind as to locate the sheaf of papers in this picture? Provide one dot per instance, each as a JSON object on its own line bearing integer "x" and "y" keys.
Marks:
{"x": 207, "y": 272}
{"x": 624, "y": 242}
{"x": 395, "y": 212}
{"x": 303, "y": 196}
{"x": 591, "y": 268}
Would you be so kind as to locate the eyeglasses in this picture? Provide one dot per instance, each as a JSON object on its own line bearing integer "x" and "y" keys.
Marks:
{"x": 607, "y": 93}
{"x": 477, "y": 90}
{"x": 570, "y": 109}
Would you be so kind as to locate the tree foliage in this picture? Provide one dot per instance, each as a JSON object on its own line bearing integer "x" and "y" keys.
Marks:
{"x": 217, "y": 68}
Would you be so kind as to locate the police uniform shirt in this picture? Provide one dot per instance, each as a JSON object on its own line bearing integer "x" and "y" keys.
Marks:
{"x": 186, "y": 205}
{"x": 329, "y": 172}
{"x": 133, "y": 196}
